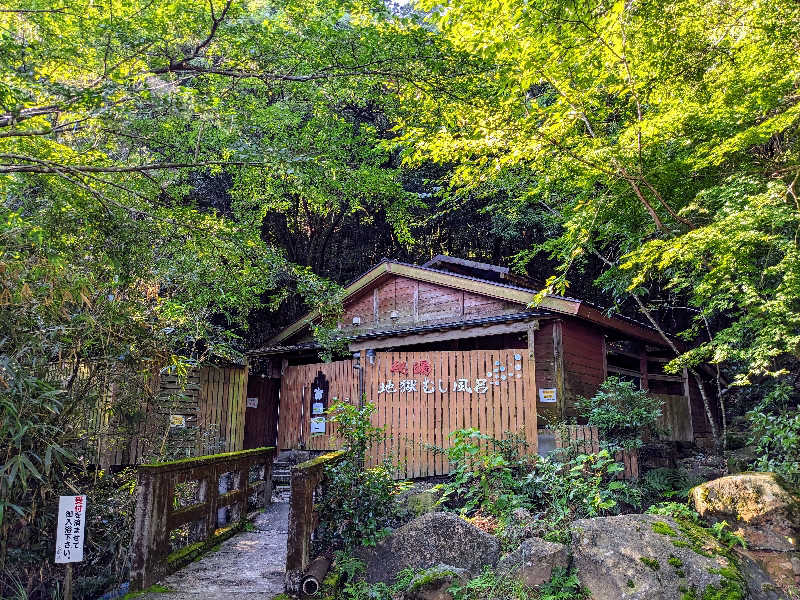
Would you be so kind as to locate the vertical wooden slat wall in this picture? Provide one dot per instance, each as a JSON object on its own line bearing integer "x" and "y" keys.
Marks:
{"x": 222, "y": 403}
{"x": 417, "y": 422}
{"x": 215, "y": 397}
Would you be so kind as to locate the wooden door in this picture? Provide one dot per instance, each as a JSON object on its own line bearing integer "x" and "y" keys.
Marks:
{"x": 261, "y": 420}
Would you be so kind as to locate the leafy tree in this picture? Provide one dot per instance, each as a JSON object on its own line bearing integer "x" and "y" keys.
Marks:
{"x": 659, "y": 138}
{"x": 114, "y": 117}
{"x": 622, "y": 412}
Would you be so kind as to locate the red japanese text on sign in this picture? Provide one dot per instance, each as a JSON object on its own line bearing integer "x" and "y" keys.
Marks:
{"x": 422, "y": 367}
{"x": 399, "y": 366}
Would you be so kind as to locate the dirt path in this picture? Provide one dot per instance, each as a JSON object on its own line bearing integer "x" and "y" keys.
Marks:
{"x": 250, "y": 565}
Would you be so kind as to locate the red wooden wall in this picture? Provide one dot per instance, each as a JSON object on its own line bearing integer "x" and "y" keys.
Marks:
{"x": 418, "y": 303}
{"x": 261, "y": 422}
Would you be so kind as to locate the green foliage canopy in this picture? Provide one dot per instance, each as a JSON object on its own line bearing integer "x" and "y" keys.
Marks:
{"x": 661, "y": 139}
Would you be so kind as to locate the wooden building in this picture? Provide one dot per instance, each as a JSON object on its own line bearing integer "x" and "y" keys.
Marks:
{"x": 454, "y": 343}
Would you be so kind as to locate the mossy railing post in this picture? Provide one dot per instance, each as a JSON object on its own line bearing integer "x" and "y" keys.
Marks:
{"x": 156, "y": 516}
{"x": 306, "y": 478}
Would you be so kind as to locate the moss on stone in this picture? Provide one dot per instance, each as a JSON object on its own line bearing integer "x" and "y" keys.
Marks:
{"x": 662, "y": 528}
{"x": 688, "y": 594}
{"x": 675, "y": 561}
{"x": 310, "y": 464}
{"x": 651, "y": 562}
{"x": 153, "y": 589}
{"x": 430, "y": 576}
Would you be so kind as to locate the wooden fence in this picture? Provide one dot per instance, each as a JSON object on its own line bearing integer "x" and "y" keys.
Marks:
{"x": 420, "y": 398}
{"x": 199, "y": 416}
{"x": 157, "y": 513}
{"x": 306, "y": 486}
{"x": 297, "y": 385}
{"x": 586, "y": 439}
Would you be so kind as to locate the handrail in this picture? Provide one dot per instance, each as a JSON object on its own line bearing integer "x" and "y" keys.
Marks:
{"x": 307, "y": 477}
{"x": 156, "y": 516}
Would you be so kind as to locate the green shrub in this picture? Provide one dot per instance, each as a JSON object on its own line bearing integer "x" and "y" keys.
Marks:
{"x": 775, "y": 427}
{"x": 494, "y": 479}
{"x": 621, "y": 412}
{"x": 663, "y": 484}
{"x": 485, "y": 472}
{"x": 674, "y": 509}
{"x": 581, "y": 487}
{"x": 563, "y": 585}
{"x": 358, "y": 505}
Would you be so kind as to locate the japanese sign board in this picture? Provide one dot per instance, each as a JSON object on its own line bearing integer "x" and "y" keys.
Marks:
{"x": 419, "y": 377}
{"x": 319, "y": 395}
{"x": 71, "y": 526}
{"x": 252, "y": 402}
{"x": 317, "y": 424}
{"x": 177, "y": 421}
{"x": 547, "y": 395}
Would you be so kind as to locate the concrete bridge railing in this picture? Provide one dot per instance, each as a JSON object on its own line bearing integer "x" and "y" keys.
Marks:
{"x": 307, "y": 484}
{"x": 158, "y": 512}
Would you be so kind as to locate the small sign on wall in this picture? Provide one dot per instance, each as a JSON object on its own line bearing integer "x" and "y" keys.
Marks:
{"x": 252, "y": 402}
{"x": 177, "y": 421}
{"x": 547, "y": 395}
{"x": 71, "y": 526}
{"x": 317, "y": 408}
{"x": 317, "y": 424}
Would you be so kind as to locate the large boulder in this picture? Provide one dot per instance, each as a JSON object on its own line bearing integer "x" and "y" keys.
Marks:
{"x": 649, "y": 557}
{"x": 432, "y": 539}
{"x": 533, "y": 562}
{"x": 755, "y": 506}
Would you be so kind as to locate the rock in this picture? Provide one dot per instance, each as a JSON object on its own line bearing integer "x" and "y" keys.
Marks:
{"x": 755, "y": 506}
{"x": 647, "y": 557}
{"x": 430, "y": 540}
{"x": 521, "y": 525}
{"x": 783, "y": 568}
{"x": 434, "y": 583}
{"x": 760, "y": 585}
{"x": 533, "y": 562}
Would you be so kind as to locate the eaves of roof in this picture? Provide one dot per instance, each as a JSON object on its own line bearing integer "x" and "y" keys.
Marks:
{"x": 401, "y": 331}
{"x": 492, "y": 289}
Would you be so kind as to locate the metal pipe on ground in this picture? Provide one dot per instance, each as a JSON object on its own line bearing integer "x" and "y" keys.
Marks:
{"x": 315, "y": 575}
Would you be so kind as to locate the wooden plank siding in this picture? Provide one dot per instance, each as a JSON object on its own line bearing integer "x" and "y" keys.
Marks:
{"x": 212, "y": 402}
{"x": 294, "y": 427}
{"x": 416, "y": 422}
{"x": 417, "y": 303}
{"x": 583, "y": 361}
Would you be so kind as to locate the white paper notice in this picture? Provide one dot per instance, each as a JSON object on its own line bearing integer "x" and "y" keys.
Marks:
{"x": 547, "y": 395}
{"x": 71, "y": 525}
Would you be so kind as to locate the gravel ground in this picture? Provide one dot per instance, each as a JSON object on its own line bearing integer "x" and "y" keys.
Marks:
{"x": 248, "y": 566}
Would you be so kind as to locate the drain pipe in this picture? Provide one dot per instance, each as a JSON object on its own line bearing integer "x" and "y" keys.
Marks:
{"x": 312, "y": 581}
{"x": 360, "y": 368}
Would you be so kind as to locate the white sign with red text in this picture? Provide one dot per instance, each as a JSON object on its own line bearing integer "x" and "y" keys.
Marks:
{"x": 71, "y": 526}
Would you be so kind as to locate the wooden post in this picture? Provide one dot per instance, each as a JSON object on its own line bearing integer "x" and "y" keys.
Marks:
{"x": 68, "y": 582}
{"x": 643, "y": 370}
{"x": 558, "y": 354}
{"x": 533, "y": 327}
{"x": 150, "y": 534}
